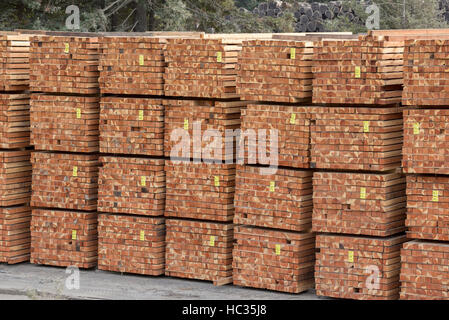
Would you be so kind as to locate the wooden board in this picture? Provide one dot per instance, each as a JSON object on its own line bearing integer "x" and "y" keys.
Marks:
{"x": 15, "y": 237}
{"x": 275, "y": 70}
{"x": 131, "y": 244}
{"x": 282, "y": 200}
{"x": 364, "y": 71}
{"x": 359, "y": 203}
{"x": 292, "y": 125}
{"x": 132, "y": 65}
{"x": 356, "y": 138}
{"x": 64, "y": 238}
{"x": 14, "y": 120}
{"x": 201, "y": 68}
{"x": 202, "y": 191}
{"x": 356, "y": 267}
{"x": 132, "y": 126}
{"x": 131, "y": 186}
{"x": 424, "y": 271}
{"x": 65, "y": 123}
{"x": 14, "y": 61}
{"x": 64, "y": 64}
{"x": 66, "y": 181}
{"x": 425, "y": 148}
{"x": 273, "y": 259}
{"x": 15, "y": 177}
{"x": 193, "y": 118}
{"x": 198, "y": 250}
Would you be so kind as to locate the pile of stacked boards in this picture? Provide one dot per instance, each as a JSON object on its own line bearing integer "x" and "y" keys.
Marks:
{"x": 283, "y": 162}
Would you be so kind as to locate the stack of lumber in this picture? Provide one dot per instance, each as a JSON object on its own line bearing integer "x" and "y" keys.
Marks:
{"x": 14, "y": 61}
{"x": 357, "y": 138}
{"x": 14, "y": 120}
{"x": 424, "y": 271}
{"x": 293, "y": 130}
{"x": 427, "y": 203}
{"x": 65, "y": 123}
{"x": 132, "y": 65}
{"x": 15, "y": 234}
{"x": 273, "y": 260}
{"x": 131, "y": 186}
{"x": 64, "y": 64}
{"x": 132, "y": 126}
{"x": 425, "y": 72}
{"x": 275, "y": 70}
{"x": 202, "y": 68}
{"x": 426, "y": 133}
{"x": 281, "y": 201}
{"x": 364, "y": 71}
{"x": 67, "y": 181}
{"x": 199, "y": 250}
{"x": 357, "y": 267}
{"x": 131, "y": 244}
{"x": 64, "y": 238}
{"x": 195, "y": 117}
{"x": 15, "y": 177}
{"x": 370, "y": 204}
{"x": 200, "y": 190}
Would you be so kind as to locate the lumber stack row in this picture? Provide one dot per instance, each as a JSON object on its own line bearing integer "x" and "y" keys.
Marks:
{"x": 199, "y": 250}
{"x": 64, "y": 238}
{"x": 275, "y": 70}
{"x": 132, "y": 65}
{"x": 289, "y": 126}
{"x": 65, "y": 123}
{"x": 202, "y": 68}
{"x": 15, "y": 177}
{"x": 357, "y": 267}
{"x": 132, "y": 126}
{"x": 356, "y": 138}
{"x": 424, "y": 271}
{"x": 133, "y": 186}
{"x": 364, "y": 71}
{"x": 281, "y": 200}
{"x": 194, "y": 119}
{"x": 64, "y": 64}
{"x": 273, "y": 259}
{"x": 425, "y": 73}
{"x": 66, "y": 181}
{"x": 14, "y": 120}
{"x": 200, "y": 190}
{"x": 426, "y": 136}
{"x": 427, "y": 205}
{"x": 131, "y": 244}
{"x": 370, "y": 204}
{"x": 14, "y": 62}
{"x": 15, "y": 234}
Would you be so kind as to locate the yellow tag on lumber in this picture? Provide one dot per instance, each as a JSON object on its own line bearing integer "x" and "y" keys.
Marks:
{"x": 272, "y": 186}
{"x": 141, "y": 61}
{"x": 219, "y": 57}
{"x": 435, "y": 195}
{"x": 142, "y": 235}
{"x": 293, "y": 53}
{"x": 78, "y": 113}
{"x": 365, "y": 126}
{"x": 293, "y": 118}
{"x": 212, "y": 241}
{"x": 217, "y": 181}
{"x": 358, "y": 72}
{"x": 75, "y": 171}
{"x": 140, "y": 115}
{"x": 362, "y": 193}
{"x": 278, "y": 249}
{"x": 416, "y": 128}
{"x": 66, "y": 48}
{"x": 351, "y": 256}
{"x": 143, "y": 181}
{"x": 73, "y": 234}
{"x": 186, "y": 124}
